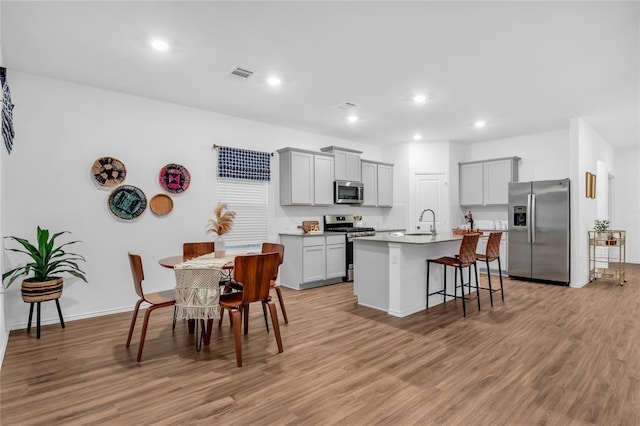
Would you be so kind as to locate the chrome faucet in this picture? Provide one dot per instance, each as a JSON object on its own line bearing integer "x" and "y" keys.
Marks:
{"x": 433, "y": 225}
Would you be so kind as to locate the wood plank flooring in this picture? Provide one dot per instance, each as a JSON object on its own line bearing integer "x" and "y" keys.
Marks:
{"x": 549, "y": 355}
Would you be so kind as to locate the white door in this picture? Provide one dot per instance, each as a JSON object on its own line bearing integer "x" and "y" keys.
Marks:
{"x": 430, "y": 193}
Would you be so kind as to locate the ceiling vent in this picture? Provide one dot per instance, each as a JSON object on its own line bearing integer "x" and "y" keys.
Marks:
{"x": 347, "y": 106}
{"x": 241, "y": 73}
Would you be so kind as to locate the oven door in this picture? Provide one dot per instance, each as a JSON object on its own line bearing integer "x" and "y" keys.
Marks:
{"x": 349, "y": 258}
{"x": 347, "y": 192}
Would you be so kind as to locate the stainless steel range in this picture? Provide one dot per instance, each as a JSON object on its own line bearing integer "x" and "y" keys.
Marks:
{"x": 344, "y": 223}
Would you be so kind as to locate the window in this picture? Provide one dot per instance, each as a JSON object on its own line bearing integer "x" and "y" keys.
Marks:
{"x": 249, "y": 199}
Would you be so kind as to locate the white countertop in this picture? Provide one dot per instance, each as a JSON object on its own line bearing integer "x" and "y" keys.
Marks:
{"x": 413, "y": 239}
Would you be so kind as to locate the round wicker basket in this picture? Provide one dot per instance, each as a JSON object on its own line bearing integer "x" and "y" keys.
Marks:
{"x": 41, "y": 291}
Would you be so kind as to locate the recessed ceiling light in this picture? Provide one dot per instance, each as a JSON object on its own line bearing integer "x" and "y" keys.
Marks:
{"x": 417, "y": 137}
{"x": 419, "y": 99}
{"x": 353, "y": 118}
{"x": 160, "y": 45}
{"x": 479, "y": 124}
{"x": 274, "y": 81}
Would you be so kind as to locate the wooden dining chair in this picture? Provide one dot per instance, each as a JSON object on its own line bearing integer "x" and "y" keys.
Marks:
{"x": 191, "y": 250}
{"x": 162, "y": 299}
{"x": 277, "y": 248}
{"x": 255, "y": 273}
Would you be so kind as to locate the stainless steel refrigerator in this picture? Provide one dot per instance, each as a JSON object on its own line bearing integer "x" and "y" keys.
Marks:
{"x": 539, "y": 231}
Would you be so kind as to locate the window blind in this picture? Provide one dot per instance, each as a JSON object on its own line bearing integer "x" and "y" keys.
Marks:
{"x": 249, "y": 200}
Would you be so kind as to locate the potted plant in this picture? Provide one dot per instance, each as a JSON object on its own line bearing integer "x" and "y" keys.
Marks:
{"x": 220, "y": 226}
{"x": 602, "y": 229}
{"x": 48, "y": 261}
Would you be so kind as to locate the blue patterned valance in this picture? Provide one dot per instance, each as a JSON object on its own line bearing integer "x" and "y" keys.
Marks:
{"x": 236, "y": 163}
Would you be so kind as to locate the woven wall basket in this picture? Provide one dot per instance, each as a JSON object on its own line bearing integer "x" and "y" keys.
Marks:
{"x": 41, "y": 291}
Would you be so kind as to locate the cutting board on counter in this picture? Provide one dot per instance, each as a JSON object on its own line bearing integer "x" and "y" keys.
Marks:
{"x": 311, "y": 227}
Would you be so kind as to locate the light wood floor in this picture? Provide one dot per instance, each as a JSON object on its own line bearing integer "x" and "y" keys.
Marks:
{"x": 549, "y": 355}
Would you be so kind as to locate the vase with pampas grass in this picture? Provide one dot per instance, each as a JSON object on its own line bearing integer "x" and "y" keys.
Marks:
{"x": 220, "y": 226}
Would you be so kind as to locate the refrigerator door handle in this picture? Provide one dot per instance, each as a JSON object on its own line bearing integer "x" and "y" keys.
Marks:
{"x": 533, "y": 218}
{"x": 529, "y": 218}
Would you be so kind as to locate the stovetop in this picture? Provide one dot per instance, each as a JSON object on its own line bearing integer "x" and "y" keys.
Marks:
{"x": 349, "y": 229}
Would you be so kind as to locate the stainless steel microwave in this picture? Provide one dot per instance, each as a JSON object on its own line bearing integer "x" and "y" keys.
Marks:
{"x": 348, "y": 192}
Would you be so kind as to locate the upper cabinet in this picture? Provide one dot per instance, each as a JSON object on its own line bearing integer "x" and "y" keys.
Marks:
{"x": 377, "y": 180}
{"x": 346, "y": 163}
{"x": 484, "y": 183}
{"x": 305, "y": 178}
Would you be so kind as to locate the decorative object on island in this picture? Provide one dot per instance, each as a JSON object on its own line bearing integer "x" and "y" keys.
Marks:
{"x": 161, "y": 204}
{"x": 220, "y": 226}
{"x": 590, "y": 185}
{"x": 174, "y": 178}
{"x": 127, "y": 202}
{"x": 108, "y": 172}
{"x": 48, "y": 261}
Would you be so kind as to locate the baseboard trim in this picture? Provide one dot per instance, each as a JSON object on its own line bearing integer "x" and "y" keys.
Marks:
{"x": 56, "y": 320}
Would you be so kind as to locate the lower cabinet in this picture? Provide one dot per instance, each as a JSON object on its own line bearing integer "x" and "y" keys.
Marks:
{"x": 312, "y": 260}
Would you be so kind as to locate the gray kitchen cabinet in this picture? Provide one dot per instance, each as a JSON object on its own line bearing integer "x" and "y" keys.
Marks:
{"x": 305, "y": 178}
{"x": 336, "y": 249}
{"x": 484, "y": 183}
{"x": 312, "y": 260}
{"x": 347, "y": 163}
{"x": 377, "y": 179}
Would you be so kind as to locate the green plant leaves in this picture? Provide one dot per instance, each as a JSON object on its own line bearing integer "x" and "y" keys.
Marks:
{"x": 48, "y": 259}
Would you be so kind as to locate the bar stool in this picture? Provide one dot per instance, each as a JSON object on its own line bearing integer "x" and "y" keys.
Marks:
{"x": 465, "y": 258}
{"x": 492, "y": 253}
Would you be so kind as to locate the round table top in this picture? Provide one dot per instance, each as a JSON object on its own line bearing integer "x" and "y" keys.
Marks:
{"x": 172, "y": 261}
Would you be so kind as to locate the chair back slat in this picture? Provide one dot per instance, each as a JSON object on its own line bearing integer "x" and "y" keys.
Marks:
{"x": 191, "y": 250}
{"x": 277, "y": 248}
{"x": 255, "y": 272}
{"x": 135, "y": 261}
{"x": 467, "y": 254}
{"x": 493, "y": 245}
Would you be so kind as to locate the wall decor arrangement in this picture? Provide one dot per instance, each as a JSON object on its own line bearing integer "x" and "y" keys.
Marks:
{"x": 174, "y": 178}
{"x": 127, "y": 202}
{"x": 161, "y": 204}
{"x": 8, "y": 132}
{"x": 590, "y": 181}
{"x": 108, "y": 172}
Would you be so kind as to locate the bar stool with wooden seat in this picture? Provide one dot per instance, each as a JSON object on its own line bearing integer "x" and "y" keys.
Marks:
{"x": 492, "y": 253}
{"x": 465, "y": 259}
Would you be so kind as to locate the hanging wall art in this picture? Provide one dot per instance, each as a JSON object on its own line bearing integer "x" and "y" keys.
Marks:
{"x": 127, "y": 202}
{"x": 8, "y": 132}
{"x": 174, "y": 178}
{"x": 108, "y": 172}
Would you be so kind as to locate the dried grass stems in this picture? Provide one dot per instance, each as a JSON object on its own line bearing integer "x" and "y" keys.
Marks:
{"x": 223, "y": 221}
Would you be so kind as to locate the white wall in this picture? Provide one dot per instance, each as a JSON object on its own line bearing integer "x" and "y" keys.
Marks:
{"x": 4, "y": 326}
{"x": 63, "y": 128}
{"x": 627, "y": 199}
{"x": 587, "y": 148}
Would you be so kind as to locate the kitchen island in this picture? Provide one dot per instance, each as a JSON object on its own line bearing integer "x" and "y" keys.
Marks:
{"x": 391, "y": 270}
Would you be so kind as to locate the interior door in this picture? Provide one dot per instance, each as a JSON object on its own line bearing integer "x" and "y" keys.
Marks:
{"x": 429, "y": 191}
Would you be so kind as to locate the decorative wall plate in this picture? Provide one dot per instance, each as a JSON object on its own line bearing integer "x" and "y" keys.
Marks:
{"x": 108, "y": 171}
{"x": 161, "y": 204}
{"x": 175, "y": 178}
{"x": 127, "y": 202}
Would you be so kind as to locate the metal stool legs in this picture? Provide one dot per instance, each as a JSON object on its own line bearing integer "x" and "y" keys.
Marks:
{"x": 455, "y": 289}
